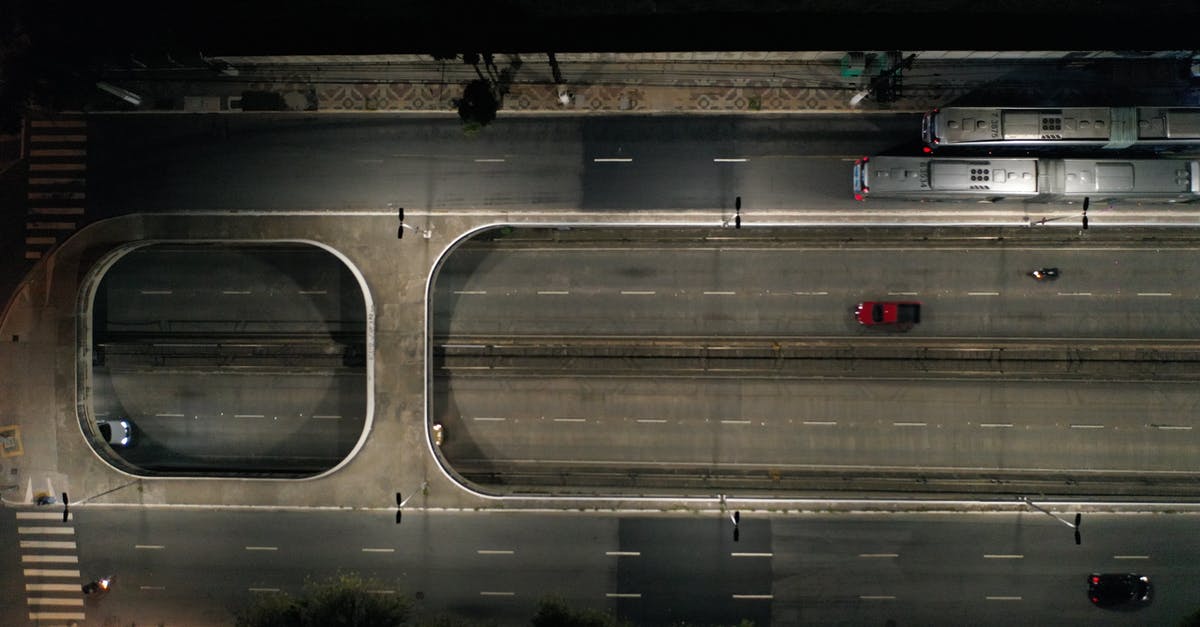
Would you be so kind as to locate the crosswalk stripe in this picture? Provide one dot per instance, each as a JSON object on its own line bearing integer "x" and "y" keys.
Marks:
{"x": 52, "y": 587}
{"x": 50, "y": 137}
{"x": 60, "y": 123}
{"x": 47, "y": 544}
{"x": 61, "y": 180}
{"x": 40, "y": 241}
{"x": 50, "y": 226}
{"x": 66, "y": 531}
{"x": 56, "y": 559}
{"x": 58, "y": 152}
{"x": 57, "y": 211}
{"x": 40, "y": 515}
{"x": 53, "y": 601}
{"x": 52, "y": 572}
{"x": 56, "y": 167}
{"x": 56, "y": 616}
{"x": 56, "y": 196}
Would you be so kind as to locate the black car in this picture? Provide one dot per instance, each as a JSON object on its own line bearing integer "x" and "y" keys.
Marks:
{"x": 1114, "y": 589}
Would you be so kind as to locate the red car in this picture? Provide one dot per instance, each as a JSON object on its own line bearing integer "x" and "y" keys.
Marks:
{"x": 891, "y": 313}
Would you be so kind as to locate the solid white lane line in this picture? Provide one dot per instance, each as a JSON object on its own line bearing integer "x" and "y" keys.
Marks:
{"x": 262, "y": 548}
{"x": 983, "y": 293}
{"x": 637, "y": 292}
{"x": 1154, "y": 294}
{"x": 1087, "y": 426}
{"x": 495, "y": 552}
{"x": 489, "y": 593}
{"x": 373, "y": 550}
{"x": 820, "y": 423}
{"x": 52, "y": 587}
{"x": 1131, "y": 557}
{"x": 876, "y": 555}
{"x": 52, "y": 572}
{"x": 729, "y": 160}
{"x": 149, "y": 547}
{"x": 751, "y": 555}
{"x": 47, "y": 544}
{"x": 612, "y": 160}
{"x": 470, "y": 292}
{"x": 553, "y": 292}
{"x": 996, "y": 425}
{"x": 47, "y": 530}
{"x": 463, "y": 346}
{"x": 623, "y": 595}
{"x": 1002, "y": 556}
{"x": 623, "y": 553}
{"x": 1173, "y": 427}
{"x": 51, "y": 559}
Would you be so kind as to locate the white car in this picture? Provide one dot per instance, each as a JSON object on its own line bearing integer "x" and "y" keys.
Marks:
{"x": 116, "y": 432}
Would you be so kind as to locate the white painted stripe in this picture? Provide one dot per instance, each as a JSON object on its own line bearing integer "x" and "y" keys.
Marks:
{"x": 1087, "y": 426}
{"x": 1002, "y": 556}
{"x": 495, "y": 552}
{"x": 168, "y": 415}
{"x": 39, "y": 516}
{"x": 652, "y": 420}
{"x": 811, "y": 293}
{"x": 623, "y": 595}
{"x": 1131, "y": 557}
{"x": 1173, "y": 427}
{"x": 235, "y": 292}
{"x": 149, "y": 547}
{"x": 735, "y": 422}
{"x": 470, "y": 292}
{"x": 52, "y": 587}
{"x": 729, "y": 160}
{"x": 54, "y": 600}
{"x": 57, "y": 167}
{"x": 820, "y": 423}
{"x": 57, "y": 152}
{"x": 983, "y": 293}
{"x": 313, "y": 292}
{"x": 52, "y": 559}
{"x": 909, "y": 424}
{"x": 553, "y": 292}
{"x": 1154, "y": 294}
{"x": 57, "y": 138}
{"x": 381, "y": 592}
{"x": 570, "y": 420}
{"x": 56, "y": 616}
{"x": 1074, "y": 293}
{"x": 264, "y": 589}
{"x": 47, "y": 544}
{"x": 902, "y": 293}
{"x": 65, "y": 531}
{"x": 612, "y": 159}
{"x": 751, "y": 554}
{"x": 638, "y": 292}
{"x": 326, "y": 417}
{"x": 489, "y": 161}
{"x": 463, "y": 346}
{"x": 996, "y": 425}
{"x": 382, "y": 550}
{"x": 720, "y": 293}
{"x": 876, "y": 597}
{"x": 57, "y": 181}
{"x": 262, "y": 548}
{"x": 1002, "y": 598}
{"x": 52, "y": 572}
{"x": 247, "y": 415}
{"x": 489, "y": 593}
{"x": 623, "y": 553}
{"x": 876, "y": 555}
{"x": 152, "y": 587}
{"x": 489, "y": 419}
{"x": 754, "y": 596}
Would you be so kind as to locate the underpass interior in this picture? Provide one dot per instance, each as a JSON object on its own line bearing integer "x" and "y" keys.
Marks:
{"x": 648, "y": 362}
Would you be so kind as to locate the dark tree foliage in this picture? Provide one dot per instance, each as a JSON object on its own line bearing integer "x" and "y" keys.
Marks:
{"x": 341, "y": 600}
{"x": 554, "y": 612}
{"x": 479, "y": 104}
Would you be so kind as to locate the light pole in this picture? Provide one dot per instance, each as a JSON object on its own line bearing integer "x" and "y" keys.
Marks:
{"x": 401, "y": 501}
{"x": 737, "y": 214}
{"x": 426, "y": 233}
{"x": 1075, "y": 526}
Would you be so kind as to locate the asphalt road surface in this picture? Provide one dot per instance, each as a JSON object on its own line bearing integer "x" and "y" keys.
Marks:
{"x": 191, "y": 567}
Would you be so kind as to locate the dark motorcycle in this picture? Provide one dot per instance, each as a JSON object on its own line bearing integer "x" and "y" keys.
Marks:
{"x": 1045, "y": 274}
{"x": 98, "y": 587}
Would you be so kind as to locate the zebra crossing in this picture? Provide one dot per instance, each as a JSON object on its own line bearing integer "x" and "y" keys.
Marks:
{"x": 57, "y": 182}
{"x": 51, "y": 567}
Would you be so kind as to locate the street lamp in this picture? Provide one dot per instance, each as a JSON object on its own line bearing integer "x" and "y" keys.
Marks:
{"x": 737, "y": 214}
{"x": 426, "y": 233}
{"x": 1078, "y": 518}
{"x": 400, "y": 501}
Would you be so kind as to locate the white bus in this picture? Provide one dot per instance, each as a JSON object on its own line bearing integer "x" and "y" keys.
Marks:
{"x": 1028, "y": 179}
{"x": 1099, "y": 127}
